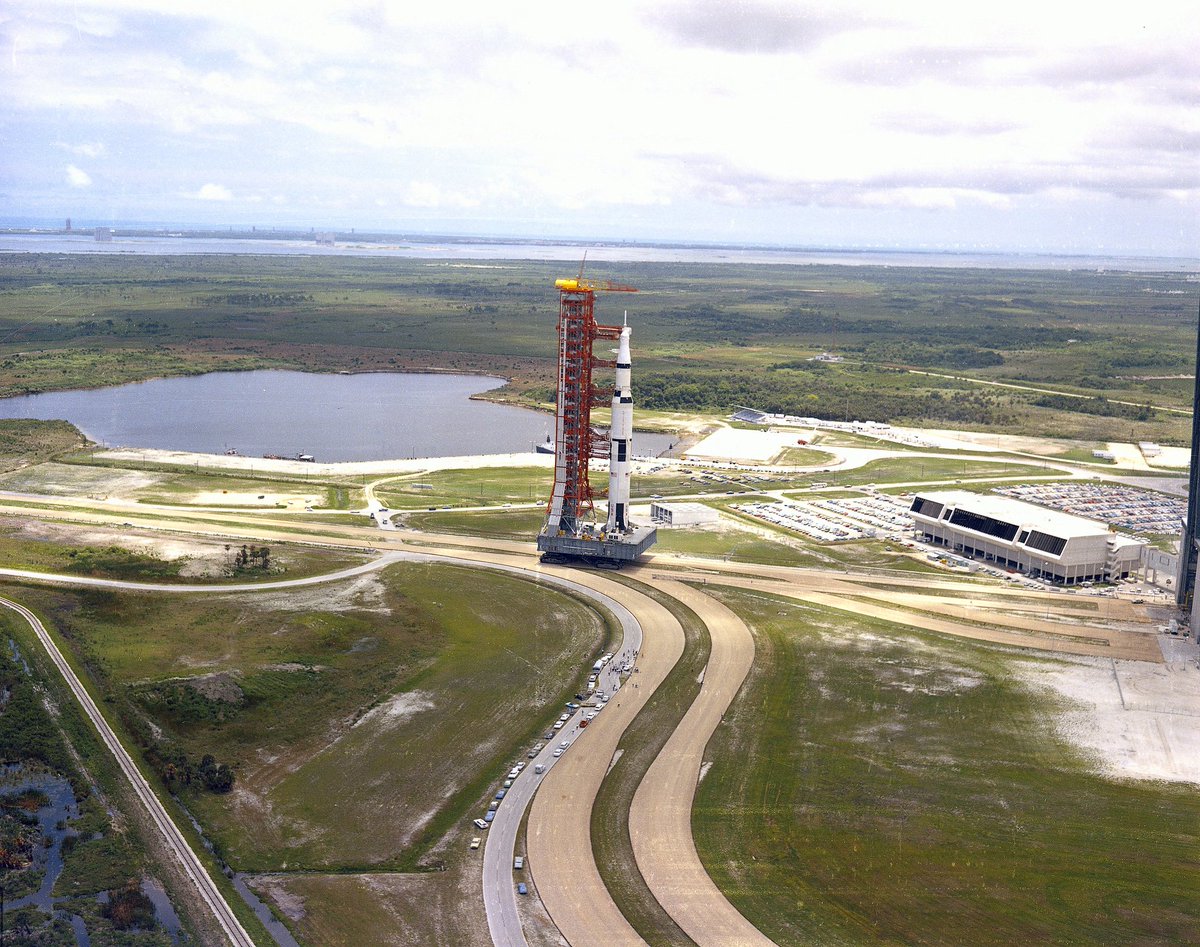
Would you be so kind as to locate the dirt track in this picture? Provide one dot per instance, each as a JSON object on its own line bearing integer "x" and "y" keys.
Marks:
{"x": 660, "y": 819}
{"x": 558, "y": 836}
{"x": 559, "y": 827}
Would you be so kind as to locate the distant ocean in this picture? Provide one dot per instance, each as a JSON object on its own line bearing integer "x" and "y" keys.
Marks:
{"x": 450, "y": 250}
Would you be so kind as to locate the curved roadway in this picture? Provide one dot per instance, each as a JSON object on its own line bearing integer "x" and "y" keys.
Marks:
{"x": 558, "y": 836}
{"x": 660, "y": 818}
{"x": 559, "y": 828}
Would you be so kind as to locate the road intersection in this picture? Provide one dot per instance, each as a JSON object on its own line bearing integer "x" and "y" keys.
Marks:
{"x": 558, "y": 835}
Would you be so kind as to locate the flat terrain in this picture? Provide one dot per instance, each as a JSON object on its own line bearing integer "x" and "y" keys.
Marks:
{"x": 875, "y": 784}
{"x": 709, "y": 336}
{"x": 330, "y": 703}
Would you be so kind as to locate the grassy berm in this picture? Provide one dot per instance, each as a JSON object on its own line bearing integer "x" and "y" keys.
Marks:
{"x": 874, "y": 785}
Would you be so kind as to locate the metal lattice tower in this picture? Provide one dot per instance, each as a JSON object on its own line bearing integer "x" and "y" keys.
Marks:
{"x": 575, "y": 441}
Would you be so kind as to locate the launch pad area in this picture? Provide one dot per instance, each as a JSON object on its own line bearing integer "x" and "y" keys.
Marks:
{"x": 603, "y": 550}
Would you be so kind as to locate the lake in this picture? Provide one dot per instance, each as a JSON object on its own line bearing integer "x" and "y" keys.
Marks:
{"x": 368, "y": 416}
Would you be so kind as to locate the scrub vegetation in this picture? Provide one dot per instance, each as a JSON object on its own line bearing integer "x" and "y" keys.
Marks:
{"x": 361, "y": 720}
{"x": 709, "y": 336}
{"x": 878, "y": 785}
{"x": 102, "y": 849}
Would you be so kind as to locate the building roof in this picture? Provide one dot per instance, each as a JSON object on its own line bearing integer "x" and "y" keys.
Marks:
{"x": 1020, "y": 513}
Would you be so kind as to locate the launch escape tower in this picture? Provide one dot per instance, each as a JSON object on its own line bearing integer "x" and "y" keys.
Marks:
{"x": 568, "y": 531}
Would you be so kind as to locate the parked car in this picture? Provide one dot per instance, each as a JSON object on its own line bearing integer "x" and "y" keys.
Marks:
{"x": 489, "y": 817}
{"x": 521, "y": 889}
{"x": 480, "y": 824}
{"x": 475, "y": 842}
{"x": 519, "y": 862}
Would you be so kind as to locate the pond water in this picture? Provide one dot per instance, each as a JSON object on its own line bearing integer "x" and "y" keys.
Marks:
{"x": 368, "y": 416}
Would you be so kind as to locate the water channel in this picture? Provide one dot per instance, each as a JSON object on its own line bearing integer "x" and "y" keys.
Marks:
{"x": 359, "y": 417}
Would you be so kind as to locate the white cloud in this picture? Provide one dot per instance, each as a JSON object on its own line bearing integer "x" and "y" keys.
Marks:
{"x": 86, "y": 149}
{"x": 77, "y": 177}
{"x": 939, "y": 107}
{"x": 213, "y": 192}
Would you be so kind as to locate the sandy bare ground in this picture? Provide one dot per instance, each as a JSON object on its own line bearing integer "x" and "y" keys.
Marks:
{"x": 332, "y": 471}
{"x": 1133, "y": 719}
{"x": 204, "y": 558}
{"x": 260, "y": 500}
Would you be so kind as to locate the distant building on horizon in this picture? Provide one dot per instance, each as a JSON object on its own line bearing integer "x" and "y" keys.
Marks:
{"x": 104, "y": 234}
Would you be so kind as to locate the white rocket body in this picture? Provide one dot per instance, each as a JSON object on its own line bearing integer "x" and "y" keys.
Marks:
{"x": 621, "y": 442}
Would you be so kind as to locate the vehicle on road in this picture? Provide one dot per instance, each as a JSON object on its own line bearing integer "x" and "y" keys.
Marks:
{"x": 519, "y": 862}
{"x": 480, "y": 824}
{"x": 583, "y": 723}
{"x": 558, "y": 752}
{"x": 540, "y": 768}
{"x": 564, "y": 744}
{"x": 475, "y": 842}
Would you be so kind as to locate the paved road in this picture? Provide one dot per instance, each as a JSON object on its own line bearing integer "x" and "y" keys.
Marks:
{"x": 559, "y": 844}
{"x": 660, "y": 818}
{"x": 188, "y": 860}
{"x": 558, "y": 834}
{"x": 499, "y": 882}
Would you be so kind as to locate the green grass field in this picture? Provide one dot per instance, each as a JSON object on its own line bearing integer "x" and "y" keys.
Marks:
{"x": 363, "y": 719}
{"x": 877, "y": 785}
{"x": 485, "y": 486}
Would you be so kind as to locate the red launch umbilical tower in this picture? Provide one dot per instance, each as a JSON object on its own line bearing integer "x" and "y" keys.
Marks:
{"x": 575, "y": 440}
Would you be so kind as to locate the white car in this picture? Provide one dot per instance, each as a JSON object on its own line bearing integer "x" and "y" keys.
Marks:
{"x": 559, "y": 751}
{"x": 564, "y": 744}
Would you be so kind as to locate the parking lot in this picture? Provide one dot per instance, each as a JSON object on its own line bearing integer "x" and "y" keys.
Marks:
{"x": 880, "y": 516}
{"x": 1141, "y": 512}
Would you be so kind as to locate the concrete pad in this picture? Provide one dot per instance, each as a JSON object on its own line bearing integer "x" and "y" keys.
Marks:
{"x": 1134, "y": 719}
{"x": 756, "y": 447}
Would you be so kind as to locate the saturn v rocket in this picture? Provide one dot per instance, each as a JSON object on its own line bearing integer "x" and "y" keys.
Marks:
{"x": 621, "y": 442}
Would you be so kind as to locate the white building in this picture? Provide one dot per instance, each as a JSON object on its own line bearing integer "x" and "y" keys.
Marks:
{"x": 682, "y": 514}
{"x": 1015, "y": 535}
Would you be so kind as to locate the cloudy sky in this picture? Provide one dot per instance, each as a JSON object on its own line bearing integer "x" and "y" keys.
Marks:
{"x": 1039, "y": 126}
